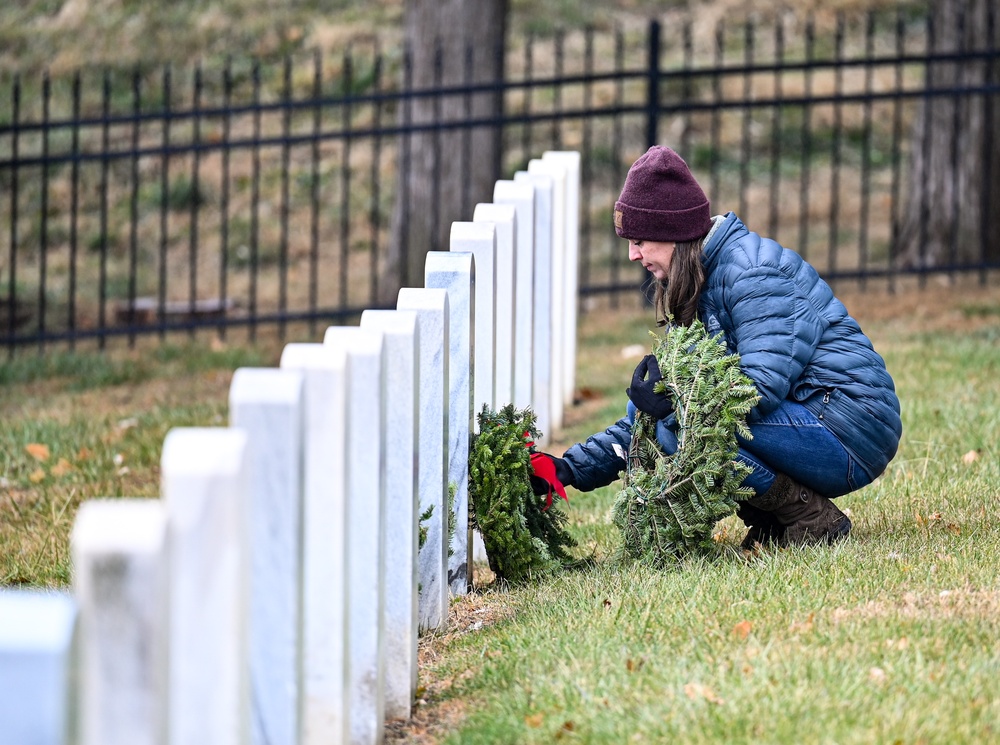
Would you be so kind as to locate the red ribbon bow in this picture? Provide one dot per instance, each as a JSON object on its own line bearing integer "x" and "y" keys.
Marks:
{"x": 543, "y": 467}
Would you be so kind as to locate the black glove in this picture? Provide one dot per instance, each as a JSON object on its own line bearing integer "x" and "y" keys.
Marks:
{"x": 564, "y": 473}
{"x": 641, "y": 393}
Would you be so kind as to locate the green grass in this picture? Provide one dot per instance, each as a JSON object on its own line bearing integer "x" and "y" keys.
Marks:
{"x": 85, "y": 425}
{"x": 887, "y": 637}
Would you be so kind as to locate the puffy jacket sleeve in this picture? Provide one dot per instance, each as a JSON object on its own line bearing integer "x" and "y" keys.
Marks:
{"x": 598, "y": 461}
{"x": 776, "y": 329}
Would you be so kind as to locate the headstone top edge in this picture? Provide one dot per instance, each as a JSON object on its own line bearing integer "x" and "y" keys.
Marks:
{"x": 312, "y": 356}
{"x": 115, "y": 525}
{"x": 355, "y": 340}
{"x": 567, "y": 155}
{"x": 398, "y": 322}
{"x": 422, "y": 298}
{"x": 35, "y": 620}
{"x": 265, "y": 385}
{"x": 477, "y": 229}
{"x": 541, "y": 180}
{"x": 509, "y": 189}
{"x": 449, "y": 261}
{"x": 553, "y": 168}
{"x": 494, "y": 212}
{"x": 203, "y": 450}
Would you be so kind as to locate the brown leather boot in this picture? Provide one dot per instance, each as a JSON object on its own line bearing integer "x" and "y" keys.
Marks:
{"x": 764, "y": 529}
{"x": 808, "y": 517}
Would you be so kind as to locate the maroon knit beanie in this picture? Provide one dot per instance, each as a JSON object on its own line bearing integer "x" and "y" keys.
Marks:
{"x": 661, "y": 201}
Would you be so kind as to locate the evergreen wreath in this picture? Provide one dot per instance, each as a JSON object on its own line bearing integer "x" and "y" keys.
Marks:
{"x": 669, "y": 504}
{"x": 524, "y": 535}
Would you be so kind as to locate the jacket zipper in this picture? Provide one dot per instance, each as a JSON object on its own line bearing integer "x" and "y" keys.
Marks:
{"x": 826, "y": 400}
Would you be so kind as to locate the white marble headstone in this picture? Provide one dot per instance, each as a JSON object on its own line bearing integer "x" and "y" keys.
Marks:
{"x": 120, "y": 581}
{"x": 559, "y": 327}
{"x": 571, "y": 161}
{"x": 522, "y": 197}
{"x": 266, "y": 403}
{"x": 36, "y": 633}
{"x": 401, "y": 370}
{"x": 365, "y": 527}
{"x": 431, "y": 307}
{"x": 479, "y": 239}
{"x": 504, "y": 219}
{"x": 325, "y": 713}
{"x": 543, "y": 303}
{"x": 205, "y": 482}
{"x": 455, "y": 272}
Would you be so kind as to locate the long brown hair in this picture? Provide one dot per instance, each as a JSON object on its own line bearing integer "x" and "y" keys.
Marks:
{"x": 678, "y": 295}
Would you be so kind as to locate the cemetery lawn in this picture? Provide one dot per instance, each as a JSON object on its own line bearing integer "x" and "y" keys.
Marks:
{"x": 890, "y": 636}
{"x": 85, "y": 425}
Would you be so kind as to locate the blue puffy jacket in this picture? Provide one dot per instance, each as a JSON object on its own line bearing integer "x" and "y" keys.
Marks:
{"x": 795, "y": 340}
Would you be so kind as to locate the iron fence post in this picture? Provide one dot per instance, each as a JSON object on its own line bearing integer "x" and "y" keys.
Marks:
{"x": 653, "y": 83}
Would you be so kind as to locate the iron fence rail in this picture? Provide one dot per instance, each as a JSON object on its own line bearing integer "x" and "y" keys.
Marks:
{"x": 157, "y": 201}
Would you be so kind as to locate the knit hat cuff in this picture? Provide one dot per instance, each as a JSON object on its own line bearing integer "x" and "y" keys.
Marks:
{"x": 662, "y": 225}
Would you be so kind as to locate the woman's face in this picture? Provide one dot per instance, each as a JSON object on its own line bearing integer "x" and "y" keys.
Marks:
{"x": 654, "y": 255}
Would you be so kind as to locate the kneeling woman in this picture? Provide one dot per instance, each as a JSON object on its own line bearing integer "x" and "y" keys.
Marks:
{"x": 828, "y": 418}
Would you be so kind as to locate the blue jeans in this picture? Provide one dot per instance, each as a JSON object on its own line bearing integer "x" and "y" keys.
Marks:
{"x": 789, "y": 440}
{"x": 793, "y": 441}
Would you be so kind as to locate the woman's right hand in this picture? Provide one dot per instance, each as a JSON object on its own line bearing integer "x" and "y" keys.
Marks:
{"x": 641, "y": 393}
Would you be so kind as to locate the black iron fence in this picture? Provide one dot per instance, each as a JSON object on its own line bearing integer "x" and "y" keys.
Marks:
{"x": 155, "y": 201}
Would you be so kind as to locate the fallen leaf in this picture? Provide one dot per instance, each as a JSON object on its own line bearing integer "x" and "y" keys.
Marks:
{"x": 607, "y": 603}
{"x": 61, "y": 468}
{"x": 567, "y": 728}
{"x": 84, "y": 454}
{"x": 695, "y": 691}
{"x": 37, "y": 477}
{"x": 970, "y": 457}
{"x": 535, "y": 720}
{"x": 38, "y": 451}
{"x": 801, "y": 627}
{"x": 742, "y": 629}
{"x": 633, "y": 666}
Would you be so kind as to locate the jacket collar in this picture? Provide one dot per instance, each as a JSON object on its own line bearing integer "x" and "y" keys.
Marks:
{"x": 724, "y": 228}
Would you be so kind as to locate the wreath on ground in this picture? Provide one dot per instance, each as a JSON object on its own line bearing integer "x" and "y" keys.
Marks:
{"x": 524, "y": 534}
{"x": 669, "y": 504}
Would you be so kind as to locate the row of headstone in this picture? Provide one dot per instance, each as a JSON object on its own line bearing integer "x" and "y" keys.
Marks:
{"x": 275, "y": 591}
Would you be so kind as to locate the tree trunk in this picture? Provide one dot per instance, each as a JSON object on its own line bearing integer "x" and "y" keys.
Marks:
{"x": 444, "y": 173}
{"x": 955, "y": 159}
